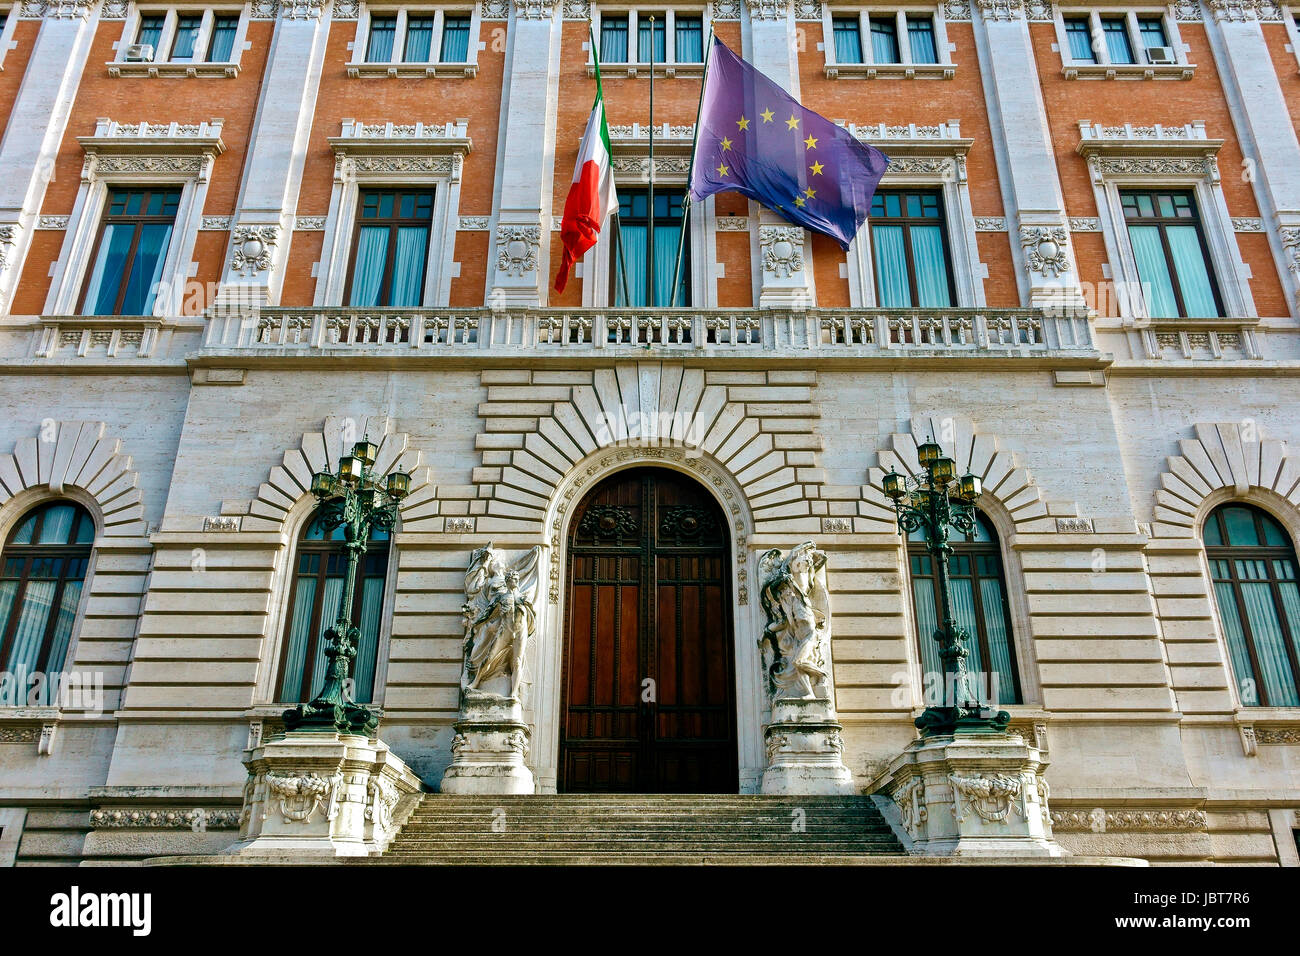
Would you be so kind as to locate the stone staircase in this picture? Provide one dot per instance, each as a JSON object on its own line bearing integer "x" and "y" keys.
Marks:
{"x": 642, "y": 829}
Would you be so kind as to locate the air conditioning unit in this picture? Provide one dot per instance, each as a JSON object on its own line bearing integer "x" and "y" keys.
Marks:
{"x": 1160, "y": 54}
{"x": 139, "y": 53}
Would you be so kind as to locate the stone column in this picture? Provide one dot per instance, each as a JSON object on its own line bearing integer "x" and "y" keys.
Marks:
{"x": 526, "y": 158}
{"x": 1270, "y": 147}
{"x": 37, "y": 124}
{"x": 1026, "y": 161}
{"x": 784, "y": 249}
{"x": 261, "y": 228}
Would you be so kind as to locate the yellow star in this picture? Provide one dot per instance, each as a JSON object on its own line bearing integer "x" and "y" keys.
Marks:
{"x": 810, "y": 193}
{"x": 767, "y": 116}
{"x": 800, "y": 201}
{"x": 816, "y": 169}
{"x": 742, "y": 123}
{"x": 723, "y": 170}
{"x": 811, "y": 142}
{"x": 726, "y": 143}
{"x": 792, "y": 123}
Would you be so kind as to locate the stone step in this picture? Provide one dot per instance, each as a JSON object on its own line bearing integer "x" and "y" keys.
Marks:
{"x": 895, "y": 856}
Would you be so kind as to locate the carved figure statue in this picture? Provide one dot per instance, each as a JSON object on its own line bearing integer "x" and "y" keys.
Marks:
{"x": 796, "y": 642}
{"x": 500, "y": 618}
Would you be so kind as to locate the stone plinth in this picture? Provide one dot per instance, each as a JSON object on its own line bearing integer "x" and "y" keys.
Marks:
{"x": 488, "y": 751}
{"x": 805, "y": 749}
{"x": 319, "y": 794}
{"x": 972, "y": 795}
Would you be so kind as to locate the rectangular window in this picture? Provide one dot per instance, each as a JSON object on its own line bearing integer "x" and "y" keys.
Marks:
{"x": 920, "y": 40}
{"x": 650, "y": 38}
{"x": 613, "y": 39}
{"x": 634, "y": 226}
{"x": 455, "y": 40}
{"x": 1118, "y": 47}
{"x": 1152, "y": 30}
{"x": 187, "y": 35}
{"x": 884, "y": 41}
{"x": 221, "y": 48}
{"x": 690, "y": 40}
{"x": 392, "y": 247}
{"x": 1171, "y": 254}
{"x": 910, "y": 250}
{"x": 419, "y": 40}
{"x": 383, "y": 30}
{"x": 151, "y": 28}
{"x": 848, "y": 39}
{"x": 1078, "y": 34}
{"x": 133, "y": 242}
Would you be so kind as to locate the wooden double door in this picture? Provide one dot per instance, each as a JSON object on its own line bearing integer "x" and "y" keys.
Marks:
{"x": 649, "y": 690}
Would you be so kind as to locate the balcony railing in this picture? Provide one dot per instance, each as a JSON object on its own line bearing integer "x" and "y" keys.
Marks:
{"x": 731, "y": 330}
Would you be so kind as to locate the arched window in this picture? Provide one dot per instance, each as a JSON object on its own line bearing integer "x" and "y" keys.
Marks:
{"x": 979, "y": 599}
{"x": 1253, "y": 567}
{"x": 44, "y": 567}
{"x": 320, "y": 564}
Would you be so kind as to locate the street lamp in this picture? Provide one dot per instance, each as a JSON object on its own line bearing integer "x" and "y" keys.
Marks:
{"x": 357, "y": 500}
{"x": 933, "y": 502}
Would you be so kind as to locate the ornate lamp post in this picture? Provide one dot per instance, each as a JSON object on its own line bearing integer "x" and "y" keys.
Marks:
{"x": 358, "y": 501}
{"x": 933, "y": 502}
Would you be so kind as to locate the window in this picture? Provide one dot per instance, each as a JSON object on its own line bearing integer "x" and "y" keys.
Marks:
{"x": 634, "y": 226}
{"x": 188, "y": 36}
{"x": 979, "y": 598}
{"x": 320, "y": 564}
{"x": 1078, "y": 33}
{"x": 133, "y": 241}
{"x": 222, "y": 46}
{"x": 613, "y": 39}
{"x": 910, "y": 250}
{"x": 1171, "y": 254}
{"x": 151, "y": 29}
{"x": 690, "y": 40}
{"x": 652, "y": 29}
{"x": 884, "y": 41}
{"x": 1253, "y": 567}
{"x": 1114, "y": 43}
{"x": 392, "y": 248}
{"x": 1152, "y": 31}
{"x": 1115, "y": 31}
{"x": 920, "y": 39}
{"x": 44, "y": 569}
{"x": 848, "y": 40}
{"x": 409, "y": 37}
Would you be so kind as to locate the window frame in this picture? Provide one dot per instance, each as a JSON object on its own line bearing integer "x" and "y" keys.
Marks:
{"x": 944, "y": 68}
{"x": 106, "y": 219}
{"x": 684, "y": 282}
{"x": 197, "y": 65}
{"x": 1267, "y": 553}
{"x": 393, "y": 223}
{"x": 1161, "y": 223}
{"x": 638, "y": 67}
{"x": 1102, "y": 68}
{"x": 906, "y": 222}
{"x": 396, "y": 65}
{"x": 7, "y": 41}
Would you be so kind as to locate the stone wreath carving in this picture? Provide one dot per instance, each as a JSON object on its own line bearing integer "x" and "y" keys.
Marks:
{"x": 1045, "y": 249}
{"x": 517, "y": 249}
{"x": 992, "y": 798}
{"x": 782, "y": 250}
{"x": 303, "y": 794}
{"x": 252, "y": 248}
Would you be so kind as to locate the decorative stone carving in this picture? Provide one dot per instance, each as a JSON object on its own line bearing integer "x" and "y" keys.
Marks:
{"x": 345, "y": 10}
{"x": 1200, "y": 167}
{"x": 8, "y": 233}
{"x": 725, "y": 9}
{"x": 1045, "y": 249}
{"x": 1291, "y": 243}
{"x": 768, "y": 9}
{"x": 494, "y": 10}
{"x": 473, "y": 223}
{"x": 534, "y": 9}
{"x": 197, "y": 819}
{"x": 1085, "y": 224}
{"x": 1039, "y": 11}
{"x": 1245, "y": 10}
{"x": 56, "y": 9}
{"x": 499, "y": 621}
{"x": 1187, "y": 10}
{"x": 301, "y": 795}
{"x": 517, "y": 248}
{"x": 52, "y": 222}
{"x": 807, "y": 9}
{"x": 956, "y": 10}
{"x": 837, "y": 525}
{"x": 577, "y": 9}
{"x": 460, "y": 525}
{"x": 1001, "y": 9}
{"x": 1099, "y": 820}
{"x": 114, "y": 9}
{"x": 1240, "y": 224}
{"x": 912, "y": 812}
{"x": 732, "y": 224}
{"x": 782, "y": 248}
{"x": 1278, "y": 735}
{"x": 301, "y": 9}
{"x": 990, "y": 224}
{"x": 215, "y": 223}
{"x": 991, "y": 797}
{"x": 252, "y": 247}
{"x": 309, "y": 223}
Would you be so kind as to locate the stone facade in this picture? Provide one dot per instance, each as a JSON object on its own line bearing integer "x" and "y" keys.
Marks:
{"x": 1104, "y": 437}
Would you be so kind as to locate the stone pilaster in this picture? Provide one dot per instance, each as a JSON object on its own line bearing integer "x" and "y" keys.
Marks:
{"x": 36, "y": 126}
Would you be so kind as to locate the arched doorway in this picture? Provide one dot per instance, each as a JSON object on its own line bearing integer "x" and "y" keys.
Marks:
{"x": 648, "y": 699}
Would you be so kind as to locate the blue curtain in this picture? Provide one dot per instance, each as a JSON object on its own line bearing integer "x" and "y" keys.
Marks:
{"x": 419, "y": 40}
{"x": 920, "y": 39}
{"x": 329, "y": 613}
{"x": 455, "y": 40}
{"x": 223, "y": 39}
{"x": 57, "y": 524}
{"x": 151, "y": 28}
{"x": 372, "y": 604}
{"x": 892, "y": 289}
{"x": 146, "y": 268}
{"x": 1079, "y": 35}
{"x": 689, "y": 40}
{"x": 665, "y": 253}
{"x": 368, "y": 270}
{"x": 187, "y": 32}
{"x": 408, "y": 266}
{"x": 1266, "y": 629}
{"x": 963, "y": 609}
{"x": 848, "y": 41}
{"x": 382, "y": 31}
{"x": 645, "y": 35}
{"x": 101, "y": 294}
{"x": 926, "y": 623}
{"x": 1193, "y": 277}
{"x": 931, "y": 267}
{"x": 296, "y": 656}
{"x": 1153, "y": 270}
{"x": 999, "y": 641}
{"x": 1117, "y": 45}
{"x": 1238, "y": 653}
{"x": 613, "y": 40}
{"x": 634, "y": 259}
{"x": 884, "y": 42}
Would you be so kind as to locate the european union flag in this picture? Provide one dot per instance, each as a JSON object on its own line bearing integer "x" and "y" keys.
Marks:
{"x": 755, "y": 139}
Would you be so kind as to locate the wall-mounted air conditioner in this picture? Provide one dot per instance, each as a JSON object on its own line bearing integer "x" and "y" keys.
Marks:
{"x": 139, "y": 53}
{"x": 1160, "y": 54}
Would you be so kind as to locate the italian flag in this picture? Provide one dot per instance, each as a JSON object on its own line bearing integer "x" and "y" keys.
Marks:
{"x": 591, "y": 198}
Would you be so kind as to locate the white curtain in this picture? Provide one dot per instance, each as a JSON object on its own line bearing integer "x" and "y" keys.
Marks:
{"x": 296, "y": 655}
{"x": 1266, "y": 629}
{"x": 372, "y": 604}
{"x": 32, "y": 620}
{"x": 329, "y": 614}
{"x": 926, "y": 622}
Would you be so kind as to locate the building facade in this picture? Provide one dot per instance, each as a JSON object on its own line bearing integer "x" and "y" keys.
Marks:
{"x": 237, "y": 237}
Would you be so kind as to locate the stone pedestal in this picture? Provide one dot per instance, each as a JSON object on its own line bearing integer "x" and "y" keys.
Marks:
{"x": 488, "y": 751}
{"x": 805, "y": 749}
{"x": 972, "y": 795}
{"x": 321, "y": 794}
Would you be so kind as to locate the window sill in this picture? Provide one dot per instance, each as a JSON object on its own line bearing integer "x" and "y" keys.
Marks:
{"x": 1129, "y": 71}
{"x": 120, "y": 68}
{"x": 412, "y": 69}
{"x": 891, "y": 71}
{"x": 643, "y": 69}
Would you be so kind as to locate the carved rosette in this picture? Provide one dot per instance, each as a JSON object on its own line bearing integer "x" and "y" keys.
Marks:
{"x": 252, "y": 248}
{"x": 1045, "y": 249}
{"x": 517, "y": 248}
{"x": 782, "y": 249}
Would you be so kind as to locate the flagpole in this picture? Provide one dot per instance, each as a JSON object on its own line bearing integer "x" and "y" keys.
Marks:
{"x": 650, "y": 222}
{"x": 618, "y": 219}
{"x": 690, "y": 173}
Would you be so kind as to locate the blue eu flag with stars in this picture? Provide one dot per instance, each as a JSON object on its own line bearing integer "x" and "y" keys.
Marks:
{"x": 755, "y": 139}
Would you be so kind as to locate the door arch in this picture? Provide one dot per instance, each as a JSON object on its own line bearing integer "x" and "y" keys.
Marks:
{"x": 648, "y": 699}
